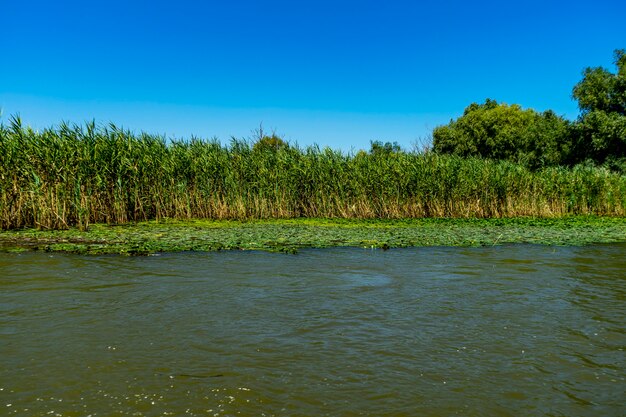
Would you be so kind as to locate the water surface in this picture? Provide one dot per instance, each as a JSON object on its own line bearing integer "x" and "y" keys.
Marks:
{"x": 503, "y": 331}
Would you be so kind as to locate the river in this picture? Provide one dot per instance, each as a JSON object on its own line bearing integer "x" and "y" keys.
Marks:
{"x": 495, "y": 331}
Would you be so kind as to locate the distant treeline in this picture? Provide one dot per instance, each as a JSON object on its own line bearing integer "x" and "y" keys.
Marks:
{"x": 500, "y": 131}
{"x": 77, "y": 175}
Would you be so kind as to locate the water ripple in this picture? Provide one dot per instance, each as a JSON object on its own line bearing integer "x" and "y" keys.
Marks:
{"x": 512, "y": 330}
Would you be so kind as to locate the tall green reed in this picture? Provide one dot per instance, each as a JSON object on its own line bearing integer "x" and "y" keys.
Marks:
{"x": 80, "y": 174}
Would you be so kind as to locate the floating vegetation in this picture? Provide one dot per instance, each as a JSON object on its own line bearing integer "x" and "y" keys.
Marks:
{"x": 289, "y": 236}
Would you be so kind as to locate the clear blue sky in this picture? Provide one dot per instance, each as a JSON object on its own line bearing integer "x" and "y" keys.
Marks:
{"x": 337, "y": 73}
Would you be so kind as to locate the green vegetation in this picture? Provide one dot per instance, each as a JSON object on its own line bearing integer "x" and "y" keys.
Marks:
{"x": 537, "y": 140}
{"x": 601, "y": 129}
{"x": 496, "y": 161}
{"x": 79, "y": 175}
{"x": 293, "y": 234}
{"x": 499, "y": 131}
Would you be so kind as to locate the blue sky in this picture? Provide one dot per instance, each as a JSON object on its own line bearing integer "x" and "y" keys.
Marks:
{"x": 336, "y": 73}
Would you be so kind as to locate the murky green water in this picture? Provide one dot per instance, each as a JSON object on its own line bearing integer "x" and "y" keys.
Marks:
{"x": 502, "y": 331}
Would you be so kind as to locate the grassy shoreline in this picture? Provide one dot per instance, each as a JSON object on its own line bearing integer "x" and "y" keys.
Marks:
{"x": 289, "y": 235}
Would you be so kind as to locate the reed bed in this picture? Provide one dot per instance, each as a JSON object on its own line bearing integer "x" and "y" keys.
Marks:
{"x": 82, "y": 174}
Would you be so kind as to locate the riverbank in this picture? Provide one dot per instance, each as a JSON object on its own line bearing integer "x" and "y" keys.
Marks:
{"x": 151, "y": 237}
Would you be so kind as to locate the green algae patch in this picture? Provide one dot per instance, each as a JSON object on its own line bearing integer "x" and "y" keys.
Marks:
{"x": 290, "y": 235}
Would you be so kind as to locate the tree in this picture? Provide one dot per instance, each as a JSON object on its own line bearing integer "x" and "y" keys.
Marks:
{"x": 272, "y": 143}
{"x": 500, "y": 131}
{"x": 377, "y": 147}
{"x": 600, "y": 133}
{"x": 601, "y": 90}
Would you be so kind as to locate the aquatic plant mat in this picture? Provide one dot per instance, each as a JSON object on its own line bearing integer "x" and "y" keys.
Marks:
{"x": 146, "y": 238}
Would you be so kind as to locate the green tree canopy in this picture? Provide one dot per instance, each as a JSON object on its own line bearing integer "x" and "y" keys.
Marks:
{"x": 600, "y": 133}
{"x": 501, "y": 131}
{"x": 272, "y": 143}
{"x": 377, "y": 147}
{"x": 601, "y": 90}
